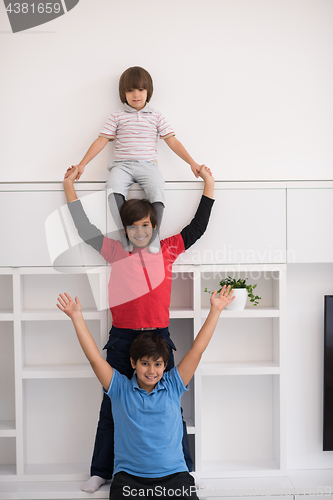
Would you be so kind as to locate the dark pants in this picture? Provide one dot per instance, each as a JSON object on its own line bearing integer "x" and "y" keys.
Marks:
{"x": 118, "y": 349}
{"x": 180, "y": 485}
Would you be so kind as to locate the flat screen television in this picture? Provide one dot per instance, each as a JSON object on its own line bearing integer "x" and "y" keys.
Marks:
{"x": 328, "y": 374}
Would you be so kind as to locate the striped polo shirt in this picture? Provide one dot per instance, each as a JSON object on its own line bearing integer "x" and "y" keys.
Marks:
{"x": 136, "y": 132}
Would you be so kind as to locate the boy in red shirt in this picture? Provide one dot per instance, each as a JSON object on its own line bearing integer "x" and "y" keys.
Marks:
{"x": 139, "y": 294}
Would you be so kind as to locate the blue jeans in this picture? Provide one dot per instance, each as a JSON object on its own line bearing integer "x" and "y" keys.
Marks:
{"x": 118, "y": 349}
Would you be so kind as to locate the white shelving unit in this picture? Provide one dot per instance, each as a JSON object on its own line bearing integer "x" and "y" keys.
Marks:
{"x": 235, "y": 409}
{"x": 47, "y": 427}
{"x": 45, "y": 405}
{"x": 239, "y": 390}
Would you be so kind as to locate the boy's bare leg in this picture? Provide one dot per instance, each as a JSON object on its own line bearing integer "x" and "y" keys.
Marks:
{"x": 93, "y": 484}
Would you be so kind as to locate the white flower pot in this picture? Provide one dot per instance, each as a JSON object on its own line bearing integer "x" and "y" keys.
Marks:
{"x": 239, "y": 301}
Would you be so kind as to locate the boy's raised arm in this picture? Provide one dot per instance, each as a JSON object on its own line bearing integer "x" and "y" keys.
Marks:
{"x": 209, "y": 181}
{"x": 68, "y": 183}
{"x": 193, "y": 231}
{"x": 190, "y": 361}
{"x": 87, "y": 231}
{"x": 102, "y": 369}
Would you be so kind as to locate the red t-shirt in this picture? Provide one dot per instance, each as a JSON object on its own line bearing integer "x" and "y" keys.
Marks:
{"x": 140, "y": 283}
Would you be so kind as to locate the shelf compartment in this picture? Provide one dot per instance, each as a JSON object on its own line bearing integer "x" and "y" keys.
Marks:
{"x": 47, "y": 344}
{"x": 182, "y": 292}
{"x": 240, "y": 424}
{"x": 267, "y": 288}
{"x": 39, "y": 292}
{"x": 7, "y": 378}
{"x": 240, "y": 340}
{"x": 60, "y": 421}
{"x": 6, "y": 295}
{"x": 7, "y": 456}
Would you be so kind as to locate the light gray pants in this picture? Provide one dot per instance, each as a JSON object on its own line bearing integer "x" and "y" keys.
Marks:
{"x": 124, "y": 173}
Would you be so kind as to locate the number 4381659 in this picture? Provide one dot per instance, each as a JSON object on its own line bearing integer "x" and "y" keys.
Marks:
{"x": 40, "y": 8}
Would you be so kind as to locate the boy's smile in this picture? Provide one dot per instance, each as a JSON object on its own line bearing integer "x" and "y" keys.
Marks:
{"x": 140, "y": 232}
{"x": 136, "y": 98}
{"x": 148, "y": 372}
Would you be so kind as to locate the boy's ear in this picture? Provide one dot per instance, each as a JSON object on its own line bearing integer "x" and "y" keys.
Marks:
{"x": 132, "y": 363}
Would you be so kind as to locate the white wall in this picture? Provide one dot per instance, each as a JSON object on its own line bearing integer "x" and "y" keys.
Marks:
{"x": 245, "y": 83}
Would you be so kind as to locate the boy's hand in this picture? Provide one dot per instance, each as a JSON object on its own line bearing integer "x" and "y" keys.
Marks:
{"x": 79, "y": 171}
{"x": 225, "y": 298}
{"x": 196, "y": 168}
{"x": 209, "y": 181}
{"x": 205, "y": 173}
{"x": 71, "y": 174}
{"x": 68, "y": 306}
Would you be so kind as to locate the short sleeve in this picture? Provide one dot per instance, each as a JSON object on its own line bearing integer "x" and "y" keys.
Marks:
{"x": 172, "y": 247}
{"x": 174, "y": 380}
{"x": 114, "y": 390}
{"x": 109, "y": 250}
{"x": 110, "y": 128}
{"x": 163, "y": 128}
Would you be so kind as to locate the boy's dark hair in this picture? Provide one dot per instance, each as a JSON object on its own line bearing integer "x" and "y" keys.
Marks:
{"x": 151, "y": 345}
{"x": 135, "y": 78}
{"x": 134, "y": 210}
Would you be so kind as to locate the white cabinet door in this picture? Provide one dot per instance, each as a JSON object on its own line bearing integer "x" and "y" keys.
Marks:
{"x": 247, "y": 226}
{"x": 309, "y": 223}
{"x": 27, "y": 239}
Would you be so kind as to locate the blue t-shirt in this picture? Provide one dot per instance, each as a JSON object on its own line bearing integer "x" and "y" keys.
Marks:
{"x": 148, "y": 427}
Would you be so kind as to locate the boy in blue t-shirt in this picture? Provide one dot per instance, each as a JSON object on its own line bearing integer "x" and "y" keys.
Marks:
{"x": 149, "y": 458}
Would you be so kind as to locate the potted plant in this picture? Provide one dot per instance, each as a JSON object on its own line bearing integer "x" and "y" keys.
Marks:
{"x": 241, "y": 291}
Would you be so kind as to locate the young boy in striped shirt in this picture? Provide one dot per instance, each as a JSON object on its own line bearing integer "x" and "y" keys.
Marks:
{"x": 136, "y": 129}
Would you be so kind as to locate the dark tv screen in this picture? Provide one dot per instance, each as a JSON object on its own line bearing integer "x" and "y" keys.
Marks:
{"x": 328, "y": 374}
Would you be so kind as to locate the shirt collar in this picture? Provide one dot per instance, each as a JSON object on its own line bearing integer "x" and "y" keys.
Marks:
{"x": 135, "y": 386}
{"x": 129, "y": 109}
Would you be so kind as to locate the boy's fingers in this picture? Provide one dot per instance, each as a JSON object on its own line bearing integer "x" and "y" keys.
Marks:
{"x": 61, "y": 301}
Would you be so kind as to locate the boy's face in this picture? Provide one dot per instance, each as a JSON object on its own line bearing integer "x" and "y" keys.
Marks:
{"x": 140, "y": 233}
{"x": 136, "y": 98}
{"x": 148, "y": 372}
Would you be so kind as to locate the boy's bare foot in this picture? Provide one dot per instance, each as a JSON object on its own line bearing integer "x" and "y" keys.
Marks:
{"x": 93, "y": 484}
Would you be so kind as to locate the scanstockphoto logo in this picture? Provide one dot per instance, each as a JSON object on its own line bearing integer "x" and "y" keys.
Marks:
{"x": 23, "y": 15}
